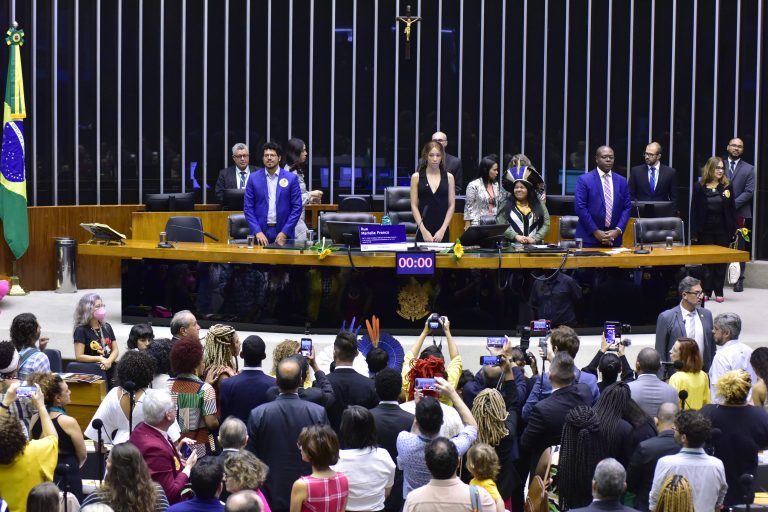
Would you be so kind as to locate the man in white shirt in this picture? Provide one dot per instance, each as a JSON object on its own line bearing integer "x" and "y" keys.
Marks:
{"x": 731, "y": 353}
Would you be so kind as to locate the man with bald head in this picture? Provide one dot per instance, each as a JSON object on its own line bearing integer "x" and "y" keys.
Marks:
{"x": 653, "y": 181}
{"x": 742, "y": 176}
{"x": 273, "y": 429}
{"x": 452, "y": 164}
{"x": 602, "y": 203}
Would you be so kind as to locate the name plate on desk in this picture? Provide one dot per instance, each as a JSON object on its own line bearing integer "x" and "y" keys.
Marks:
{"x": 375, "y": 237}
{"x": 415, "y": 263}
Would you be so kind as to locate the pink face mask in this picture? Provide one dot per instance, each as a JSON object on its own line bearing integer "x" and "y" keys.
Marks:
{"x": 100, "y": 314}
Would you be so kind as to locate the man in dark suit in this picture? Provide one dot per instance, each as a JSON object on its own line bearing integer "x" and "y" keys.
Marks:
{"x": 608, "y": 485}
{"x": 688, "y": 320}
{"x": 240, "y": 394}
{"x": 272, "y": 199}
{"x": 321, "y": 393}
{"x": 390, "y": 421}
{"x": 547, "y": 418}
{"x": 653, "y": 181}
{"x": 273, "y": 430}
{"x": 602, "y": 203}
{"x": 742, "y": 176}
{"x": 349, "y": 387}
{"x": 234, "y": 176}
{"x": 648, "y": 453}
{"x": 161, "y": 456}
{"x": 451, "y": 163}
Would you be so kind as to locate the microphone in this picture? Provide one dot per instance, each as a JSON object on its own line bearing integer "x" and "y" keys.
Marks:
{"x": 415, "y": 246}
{"x": 639, "y": 225}
{"x": 747, "y": 481}
{"x": 677, "y": 365}
{"x": 167, "y": 245}
{"x": 683, "y": 396}
{"x": 130, "y": 387}
{"x": 98, "y": 425}
{"x": 63, "y": 470}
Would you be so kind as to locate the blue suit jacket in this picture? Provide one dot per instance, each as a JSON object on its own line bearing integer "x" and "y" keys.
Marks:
{"x": 589, "y": 204}
{"x": 287, "y": 202}
{"x": 240, "y": 394}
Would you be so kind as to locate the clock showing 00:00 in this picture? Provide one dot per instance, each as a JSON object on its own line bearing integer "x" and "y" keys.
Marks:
{"x": 415, "y": 263}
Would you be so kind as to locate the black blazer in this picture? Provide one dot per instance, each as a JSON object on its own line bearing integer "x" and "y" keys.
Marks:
{"x": 227, "y": 179}
{"x": 643, "y": 465}
{"x": 321, "y": 393}
{"x": 390, "y": 420}
{"x": 640, "y": 188}
{"x": 453, "y": 166}
{"x": 240, "y": 394}
{"x": 350, "y": 388}
{"x": 699, "y": 209}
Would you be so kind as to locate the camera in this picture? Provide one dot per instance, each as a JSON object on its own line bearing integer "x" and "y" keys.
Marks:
{"x": 434, "y": 321}
{"x": 525, "y": 338}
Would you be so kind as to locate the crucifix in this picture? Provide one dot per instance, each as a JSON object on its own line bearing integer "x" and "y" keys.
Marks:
{"x": 409, "y": 20}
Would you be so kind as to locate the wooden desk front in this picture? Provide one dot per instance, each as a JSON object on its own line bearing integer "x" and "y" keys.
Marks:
{"x": 86, "y": 398}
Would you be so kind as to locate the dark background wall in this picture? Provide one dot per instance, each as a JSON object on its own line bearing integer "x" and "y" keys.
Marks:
{"x": 127, "y": 97}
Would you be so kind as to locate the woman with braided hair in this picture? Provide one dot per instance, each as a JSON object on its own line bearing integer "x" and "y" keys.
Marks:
{"x": 222, "y": 346}
{"x": 581, "y": 448}
{"x": 676, "y": 495}
{"x": 623, "y": 423}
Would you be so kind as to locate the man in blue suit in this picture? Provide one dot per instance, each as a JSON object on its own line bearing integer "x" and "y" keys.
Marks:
{"x": 602, "y": 203}
{"x": 272, "y": 199}
{"x": 240, "y": 394}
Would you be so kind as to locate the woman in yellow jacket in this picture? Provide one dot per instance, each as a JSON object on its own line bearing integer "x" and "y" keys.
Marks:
{"x": 690, "y": 378}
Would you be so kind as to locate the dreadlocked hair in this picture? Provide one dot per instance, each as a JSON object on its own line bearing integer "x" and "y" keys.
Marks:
{"x": 428, "y": 368}
{"x": 676, "y": 495}
{"x": 491, "y": 414}
{"x": 610, "y": 409}
{"x": 580, "y": 451}
{"x": 220, "y": 347}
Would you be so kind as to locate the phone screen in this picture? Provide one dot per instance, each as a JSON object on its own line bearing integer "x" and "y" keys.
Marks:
{"x": 25, "y": 391}
{"x": 612, "y": 332}
{"x": 306, "y": 347}
{"x": 490, "y": 360}
{"x": 496, "y": 341}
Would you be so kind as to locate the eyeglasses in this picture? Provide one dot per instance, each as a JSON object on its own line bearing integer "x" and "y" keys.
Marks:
{"x": 720, "y": 168}
{"x": 650, "y": 154}
{"x": 241, "y": 156}
{"x": 698, "y": 294}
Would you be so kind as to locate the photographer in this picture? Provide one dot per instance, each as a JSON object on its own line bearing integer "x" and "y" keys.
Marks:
{"x": 610, "y": 360}
{"x": 496, "y": 377}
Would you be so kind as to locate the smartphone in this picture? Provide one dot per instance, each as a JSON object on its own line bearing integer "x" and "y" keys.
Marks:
{"x": 186, "y": 450}
{"x": 426, "y": 384}
{"x": 495, "y": 341}
{"x": 306, "y": 347}
{"x": 543, "y": 347}
{"x": 25, "y": 391}
{"x": 490, "y": 360}
{"x": 612, "y": 331}
{"x": 541, "y": 326}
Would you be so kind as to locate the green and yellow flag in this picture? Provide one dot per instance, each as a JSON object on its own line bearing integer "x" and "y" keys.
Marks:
{"x": 13, "y": 182}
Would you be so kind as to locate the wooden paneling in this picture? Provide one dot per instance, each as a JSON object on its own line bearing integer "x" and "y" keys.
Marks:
{"x": 86, "y": 398}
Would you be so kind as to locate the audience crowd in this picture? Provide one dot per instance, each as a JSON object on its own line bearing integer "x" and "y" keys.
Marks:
{"x": 195, "y": 424}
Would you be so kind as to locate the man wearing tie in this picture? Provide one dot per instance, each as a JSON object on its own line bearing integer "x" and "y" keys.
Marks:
{"x": 602, "y": 203}
{"x": 653, "y": 181}
{"x": 234, "y": 176}
{"x": 742, "y": 177}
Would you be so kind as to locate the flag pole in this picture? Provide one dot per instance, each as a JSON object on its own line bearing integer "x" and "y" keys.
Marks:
{"x": 16, "y": 289}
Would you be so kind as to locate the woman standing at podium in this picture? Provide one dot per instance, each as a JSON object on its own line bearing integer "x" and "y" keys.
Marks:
{"x": 296, "y": 161}
{"x": 433, "y": 195}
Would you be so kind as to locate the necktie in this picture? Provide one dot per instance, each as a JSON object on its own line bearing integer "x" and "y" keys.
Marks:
{"x": 731, "y": 169}
{"x": 691, "y": 326}
{"x": 608, "y": 200}
{"x": 242, "y": 179}
{"x": 653, "y": 179}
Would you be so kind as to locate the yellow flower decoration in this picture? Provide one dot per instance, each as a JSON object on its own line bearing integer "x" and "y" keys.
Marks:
{"x": 458, "y": 250}
{"x": 727, "y": 194}
{"x": 324, "y": 254}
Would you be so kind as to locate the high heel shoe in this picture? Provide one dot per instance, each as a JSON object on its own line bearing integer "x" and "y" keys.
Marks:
{"x": 719, "y": 299}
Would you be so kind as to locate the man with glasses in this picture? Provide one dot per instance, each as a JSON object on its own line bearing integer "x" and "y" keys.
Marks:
{"x": 653, "y": 181}
{"x": 687, "y": 320}
{"x": 234, "y": 176}
{"x": 742, "y": 177}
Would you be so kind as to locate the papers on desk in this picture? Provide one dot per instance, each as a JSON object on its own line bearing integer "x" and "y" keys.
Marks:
{"x": 80, "y": 377}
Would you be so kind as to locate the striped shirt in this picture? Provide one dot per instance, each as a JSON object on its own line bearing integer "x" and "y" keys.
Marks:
{"x": 35, "y": 363}
{"x": 194, "y": 399}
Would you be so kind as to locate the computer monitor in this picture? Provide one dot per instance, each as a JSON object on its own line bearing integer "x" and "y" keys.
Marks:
{"x": 483, "y": 234}
{"x": 345, "y": 177}
{"x": 570, "y": 176}
{"x": 343, "y": 232}
{"x": 653, "y": 209}
{"x": 560, "y": 205}
{"x": 174, "y": 202}
{"x": 234, "y": 199}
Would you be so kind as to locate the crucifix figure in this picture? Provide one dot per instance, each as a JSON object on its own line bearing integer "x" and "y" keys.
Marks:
{"x": 409, "y": 20}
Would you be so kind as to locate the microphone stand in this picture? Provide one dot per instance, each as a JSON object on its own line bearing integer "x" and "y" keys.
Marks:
{"x": 64, "y": 483}
{"x": 415, "y": 246}
{"x": 168, "y": 245}
{"x": 639, "y": 225}
{"x": 98, "y": 425}
{"x": 130, "y": 387}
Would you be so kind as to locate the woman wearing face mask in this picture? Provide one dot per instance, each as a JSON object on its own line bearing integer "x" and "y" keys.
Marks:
{"x": 526, "y": 215}
{"x": 94, "y": 338}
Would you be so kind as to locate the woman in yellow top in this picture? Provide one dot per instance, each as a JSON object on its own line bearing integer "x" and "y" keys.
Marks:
{"x": 691, "y": 378}
{"x": 453, "y": 368}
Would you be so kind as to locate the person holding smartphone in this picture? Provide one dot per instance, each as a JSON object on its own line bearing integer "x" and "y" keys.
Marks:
{"x": 610, "y": 361}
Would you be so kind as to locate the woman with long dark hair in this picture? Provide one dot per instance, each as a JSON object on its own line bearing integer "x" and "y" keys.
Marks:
{"x": 296, "y": 162}
{"x": 623, "y": 424}
{"x": 526, "y": 215}
{"x": 433, "y": 195}
{"x": 581, "y": 448}
{"x": 484, "y": 193}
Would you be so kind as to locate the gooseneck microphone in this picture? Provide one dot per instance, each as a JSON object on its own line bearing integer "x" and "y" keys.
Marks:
{"x": 167, "y": 245}
{"x": 683, "y": 396}
{"x": 415, "y": 246}
{"x": 747, "y": 481}
{"x": 63, "y": 470}
{"x": 641, "y": 249}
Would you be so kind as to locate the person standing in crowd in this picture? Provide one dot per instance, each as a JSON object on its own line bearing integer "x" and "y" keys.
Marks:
{"x": 433, "y": 195}
{"x": 452, "y": 164}
{"x": 71, "y": 443}
{"x": 647, "y": 389}
{"x": 222, "y": 346}
{"x": 610, "y": 364}
{"x": 602, "y": 203}
{"x": 742, "y": 176}
{"x": 525, "y": 213}
{"x": 608, "y": 486}
{"x": 140, "y": 337}
{"x": 688, "y": 320}
{"x": 244, "y": 471}
{"x": 581, "y": 449}
{"x": 95, "y": 340}
{"x": 25, "y": 333}
{"x": 240, "y": 394}
{"x": 483, "y": 465}
{"x": 744, "y": 431}
{"x": 759, "y": 362}
{"x": 234, "y": 176}
{"x": 731, "y": 353}
{"x": 691, "y": 378}
{"x": 713, "y": 219}
{"x": 296, "y": 162}
{"x": 324, "y": 489}
{"x": 623, "y": 424}
{"x": 705, "y": 473}
{"x": 484, "y": 193}
{"x": 207, "y": 479}
{"x": 244, "y": 501}
{"x": 160, "y": 351}
{"x": 653, "y": 181}
{"x": 676, "y": 495}
{"x": 184, "y": 324}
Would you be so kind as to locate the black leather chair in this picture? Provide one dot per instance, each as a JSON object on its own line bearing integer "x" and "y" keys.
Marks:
{"x": 54, "y": 357}
{"x": 355, "y": 204}
{"x": 397, "y": 205}
{"x": 656, "y": 231}
{"x": 342, "y": 217}
{"x": 567, "y": 233}
{"x": 238, "y": 229}
{"x": 89, "y": 368}
{"x": 184, "y": 229}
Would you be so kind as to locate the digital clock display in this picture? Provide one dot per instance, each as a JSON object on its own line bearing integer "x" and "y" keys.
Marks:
{"x": 415, "y": 263}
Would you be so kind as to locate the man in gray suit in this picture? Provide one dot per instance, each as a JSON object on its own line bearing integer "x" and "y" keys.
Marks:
{"x": 688, "y": 320}
{"x": 648, "y": 390}
{"x": 742, "y": 176}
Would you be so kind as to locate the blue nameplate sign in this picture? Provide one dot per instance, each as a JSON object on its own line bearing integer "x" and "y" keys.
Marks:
{"x": 415, "y": 263}
{"x": 377, "y": 237}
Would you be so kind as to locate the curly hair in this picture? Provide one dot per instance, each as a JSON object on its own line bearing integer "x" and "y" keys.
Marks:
{"x": 491, "y": 414}
{"x": 283, "y": 349}
{"x": 430, "y": 367}
{"x": 128, "y": 486}
{"x": 676, "y": 495}
{"x": 50, "y": 385}
{"x": 244, "y": 471}
{"x": 24, "y": 330}
{"x": 137, "y": 367}
{"x": 7, "y": 350}
{"x": 84, "y": 309}
{"x": 483, "y": 462}
{"x": 220, "y": 347}
{"x": 186, "y": 355}
{"x": 696, "y": 427}
{"x": 13, "y": 441}
{"x": 160, "y": 351}
{"x": 734, "y": 386}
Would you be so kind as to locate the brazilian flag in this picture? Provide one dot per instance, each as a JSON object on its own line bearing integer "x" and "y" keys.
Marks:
{"x": 13, "y": 182}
